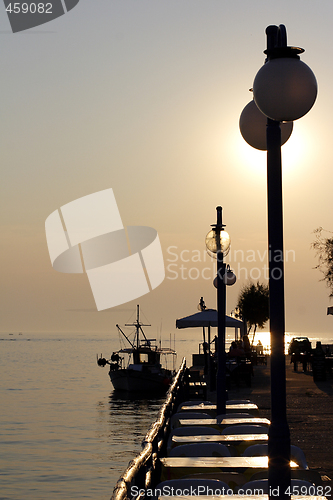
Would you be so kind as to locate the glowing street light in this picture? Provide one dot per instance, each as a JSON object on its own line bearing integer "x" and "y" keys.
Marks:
{"x": 218, "y": 246}
{"x": 284, "y": 90}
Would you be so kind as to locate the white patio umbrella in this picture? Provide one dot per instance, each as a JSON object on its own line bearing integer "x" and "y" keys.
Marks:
{"x": 208, "y": 317}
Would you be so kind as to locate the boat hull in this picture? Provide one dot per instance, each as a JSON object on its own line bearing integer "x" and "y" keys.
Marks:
{"x": 138, "y": 381}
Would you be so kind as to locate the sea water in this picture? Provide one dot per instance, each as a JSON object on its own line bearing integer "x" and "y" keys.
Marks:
{"x": 64, "y": 433}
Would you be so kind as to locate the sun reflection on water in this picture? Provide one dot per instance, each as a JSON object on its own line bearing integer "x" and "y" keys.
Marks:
{"x": 264, "y": 338}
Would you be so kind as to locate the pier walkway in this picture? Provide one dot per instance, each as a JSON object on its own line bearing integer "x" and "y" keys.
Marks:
{"x": 309, "y": 411}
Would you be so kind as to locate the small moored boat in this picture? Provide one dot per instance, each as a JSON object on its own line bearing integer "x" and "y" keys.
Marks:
{"x": 141, "y": 369}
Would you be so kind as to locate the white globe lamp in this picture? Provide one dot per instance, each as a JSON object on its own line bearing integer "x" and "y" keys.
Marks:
{"x": 253, "y": 123}
{"x": 217, "y": 240}
{"x": 285, "y": 88}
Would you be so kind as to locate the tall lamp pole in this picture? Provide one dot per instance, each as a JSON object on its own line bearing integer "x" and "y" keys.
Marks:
{"x": 284, "y": 90}
{"x": 218, "y": 246}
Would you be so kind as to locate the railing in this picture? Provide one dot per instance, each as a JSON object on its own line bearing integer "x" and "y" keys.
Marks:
{"x": 141, "y": 471}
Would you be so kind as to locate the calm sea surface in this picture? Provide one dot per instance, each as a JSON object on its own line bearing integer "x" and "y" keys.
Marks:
{"x": 64, "y": 434}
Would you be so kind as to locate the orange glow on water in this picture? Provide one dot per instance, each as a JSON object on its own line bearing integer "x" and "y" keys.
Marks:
{"x": 264, "y": 338}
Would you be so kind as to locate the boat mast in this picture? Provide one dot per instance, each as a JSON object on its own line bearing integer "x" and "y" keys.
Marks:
{"x": 138, "y": 326}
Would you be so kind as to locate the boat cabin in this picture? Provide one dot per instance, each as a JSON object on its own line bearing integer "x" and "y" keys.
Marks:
{"x": 146, "y": 354}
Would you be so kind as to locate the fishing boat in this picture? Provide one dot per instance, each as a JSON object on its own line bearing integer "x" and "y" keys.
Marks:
{"x": 138, "y": 368}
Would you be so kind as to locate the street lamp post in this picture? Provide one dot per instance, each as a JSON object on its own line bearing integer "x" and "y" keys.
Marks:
{"x": 218, "y": 245}
{"x": 284, "y": 90}
{"x": 279, "y": 436}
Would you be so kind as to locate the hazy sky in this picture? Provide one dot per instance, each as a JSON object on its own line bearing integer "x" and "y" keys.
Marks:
{"x": 144, "y": 96}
